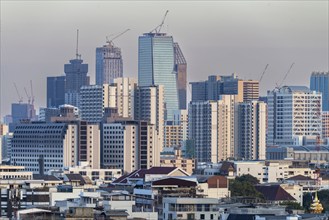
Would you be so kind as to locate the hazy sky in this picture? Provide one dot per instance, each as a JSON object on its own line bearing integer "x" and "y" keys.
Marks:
{"x": 216, "y": 37}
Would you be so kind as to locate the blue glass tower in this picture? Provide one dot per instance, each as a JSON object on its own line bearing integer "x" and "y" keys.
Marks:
{"x": 156, "y": 66}
{"x": 320, "y": 83}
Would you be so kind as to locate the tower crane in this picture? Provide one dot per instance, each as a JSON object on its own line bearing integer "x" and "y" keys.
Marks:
{"x": 28, "y": 96}
{"x": 261, "y": 77}
{"x": 157, "y": 29}
{"x": 110, "y": 40}
{"x": 20, "y": 98}
{"x": 284, "y": 78}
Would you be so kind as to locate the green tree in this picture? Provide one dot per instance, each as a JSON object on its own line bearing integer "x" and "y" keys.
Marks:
{"x": 245, "y": 186}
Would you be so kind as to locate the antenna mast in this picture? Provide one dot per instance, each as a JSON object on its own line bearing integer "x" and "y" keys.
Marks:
{"x": 78, "y": 56}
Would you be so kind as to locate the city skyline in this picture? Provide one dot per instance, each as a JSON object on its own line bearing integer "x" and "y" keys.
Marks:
{"x": 231, "y": 39}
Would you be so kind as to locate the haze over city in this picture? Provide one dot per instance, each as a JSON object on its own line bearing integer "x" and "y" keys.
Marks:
{"x": 216, "y": 37}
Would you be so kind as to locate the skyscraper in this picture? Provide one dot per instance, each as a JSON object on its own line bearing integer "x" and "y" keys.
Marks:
{"x": 109, "y": 64}
{"x": 55, "y": 91}
{"x": 180, "y": 68}
{"x": 251, "y": 130}
{"x": 156, "y": 66}
{"x": 212, "y": 128}
{"x": 320, "y": 83}
{"x": 294, "y": 112}
{"x": 76, "y": 77}
{"x": 149, "y": 106}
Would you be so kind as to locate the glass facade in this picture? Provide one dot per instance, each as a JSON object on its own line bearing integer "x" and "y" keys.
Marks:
{"x": 156, "y": 67}
{"x": 109, "y": 64}
{"x": 320, "y": 83}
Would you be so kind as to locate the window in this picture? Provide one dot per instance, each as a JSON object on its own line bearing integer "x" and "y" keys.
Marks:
{"x": 202, "y": 216}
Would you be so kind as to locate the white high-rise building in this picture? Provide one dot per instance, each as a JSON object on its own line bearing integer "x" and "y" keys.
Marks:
{"x": 294, "y": 112}
{"x": 150, "y": 106}
{"x": 211, "y": 128}
{"x": 251, "y": 127}
{"x": 130, "y": 145}
{"x": 95, "y": 98}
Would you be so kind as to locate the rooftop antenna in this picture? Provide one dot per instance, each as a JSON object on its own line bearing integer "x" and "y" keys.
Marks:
{"x": 78, "y": 56}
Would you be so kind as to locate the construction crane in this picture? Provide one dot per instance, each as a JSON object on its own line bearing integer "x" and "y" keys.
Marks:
{"x": 32, "y": 95}
{"x": 110, "y": 41}
{"x": 284, "y": 78}
{"x": 28, "y": 96}
{"x": 20, "y": 98}
{"x": 158, "y": 28}
{"x": 261, "y": 77}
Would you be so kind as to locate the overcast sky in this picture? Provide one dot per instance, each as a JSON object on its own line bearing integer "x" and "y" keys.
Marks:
{"x": 216, "y": 37}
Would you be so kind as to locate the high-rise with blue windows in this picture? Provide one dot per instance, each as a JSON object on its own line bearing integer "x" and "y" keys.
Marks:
{"x": 156, "y": 66}
{"x": 320, "y": 83}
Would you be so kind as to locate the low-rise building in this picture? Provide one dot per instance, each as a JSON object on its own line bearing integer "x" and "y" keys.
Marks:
{"x": 190, "y": 208}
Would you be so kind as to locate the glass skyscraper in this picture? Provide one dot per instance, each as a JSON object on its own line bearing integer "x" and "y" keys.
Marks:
{"x": 320, "y": 83}
{"x": 109, "y": 65}
{"x": 156, "y": 66}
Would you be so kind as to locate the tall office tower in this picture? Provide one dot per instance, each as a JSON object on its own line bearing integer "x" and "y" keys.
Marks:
{"x": 251, "y": 131}
{"x": 294, "y": 112}
{"x": 325, "y": 124}
{"x": 76, "y": 77}
{"x": 129, "y": 145}
{"x": 212, "y": 128}
{"x": 55, "y": 91}
{"x": 180, "y": 68}
{"x": 156, "y": 66}
{"x": 95, "y": 98}
{"x": 211, "y": 89}
{"x": 150, "y": 106}
{"x": 320, "y": 82}
{"x": 109, "y": 65}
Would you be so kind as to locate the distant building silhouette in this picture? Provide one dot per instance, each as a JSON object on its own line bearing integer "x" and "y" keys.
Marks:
{"x": 55, "y": 91}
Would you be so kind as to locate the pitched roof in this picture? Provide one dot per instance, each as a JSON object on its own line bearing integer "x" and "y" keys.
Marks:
{"x": 75, "y": 177}
{"x": 140, "y": 173}
{"x": 45, "y": 177}
{"x": 274, "y": 193}
{"x": 300, "y": 177}
{"x": 226, "y": 167}
{"x": 174, "y": 182}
